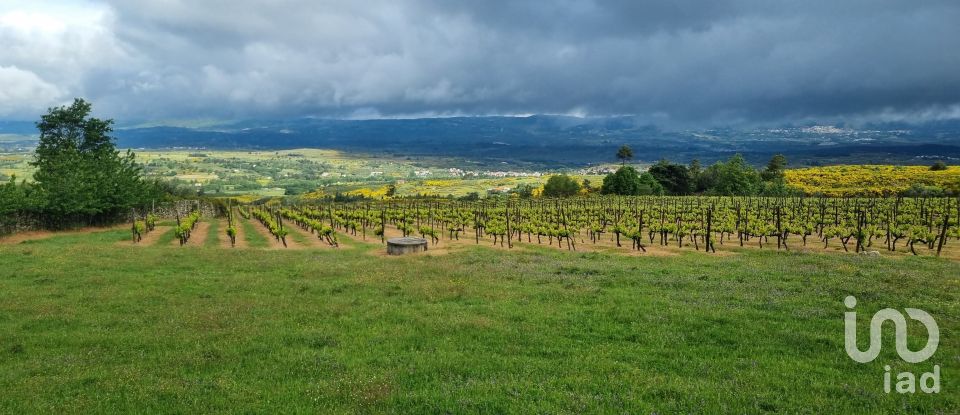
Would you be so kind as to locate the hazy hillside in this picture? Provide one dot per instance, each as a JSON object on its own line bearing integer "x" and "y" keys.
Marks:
{"x": 556, "y": 140}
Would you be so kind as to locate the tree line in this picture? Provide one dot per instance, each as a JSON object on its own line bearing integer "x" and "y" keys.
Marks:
{"x": 80, "y": 177}
{"x": 733, "y": 177}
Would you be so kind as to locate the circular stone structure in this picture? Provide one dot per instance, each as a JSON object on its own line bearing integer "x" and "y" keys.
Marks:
{"x": 405, "y": 245}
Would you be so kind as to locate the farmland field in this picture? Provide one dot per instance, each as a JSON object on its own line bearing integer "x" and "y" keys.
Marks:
{"x": 203, "y": 328}
{"x": 315, "y": 173}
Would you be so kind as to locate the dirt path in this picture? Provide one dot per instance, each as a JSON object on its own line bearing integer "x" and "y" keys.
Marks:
{"x": 272, "y": 240}
{"x": 150, "y": 238}
{"x": 225, "y": 239}
{"x": 312, "y": 240}
{"x": 197, "y": 237}
{"x": 37, "y": 235}
{"x": 153, "y": 236}
{"x": 199, "y": 234}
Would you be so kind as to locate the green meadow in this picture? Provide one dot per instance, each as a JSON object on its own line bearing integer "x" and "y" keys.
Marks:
{"x": 89, "y": 324}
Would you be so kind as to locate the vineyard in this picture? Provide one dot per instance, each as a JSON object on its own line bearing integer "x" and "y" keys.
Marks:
{"x": 918, "y": 226}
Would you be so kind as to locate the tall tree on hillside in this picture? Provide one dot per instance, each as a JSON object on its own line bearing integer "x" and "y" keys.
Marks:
{"x": 695, "y": 168}
{"x": 775, "y": 168}
{"x": 774, "y": 178}
{"x": 80, "y": 174}
{"x": 736, "y": 178}
{"x": 675, "y": 178}
{"x": 696, "y": 172}
{"x": 627, "y": 181}
{"x": 625, "y": 154}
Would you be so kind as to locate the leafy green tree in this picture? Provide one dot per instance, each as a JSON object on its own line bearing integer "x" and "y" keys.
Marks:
{"x": 938, "y": 166}
{"x": 920, "y": 190}
{"x": 625, "y": 154}
{"x": 773, "y": 179}
{"x": 778, "y": 187}
{"x": 561, "y": 185}
{"x": 695, "y": 168}
{"x": 14, "y": 198}
{"x": 735, "y": 178}
{"x": 79, "y": 172}
{"x": 626, "y": 181}
{"x": 470, "y": 197}
{"x": 11, "y": 196}
{"x": 696, "y": 176}
{"x": 775, "y": 168}
{"x": 523, "y": 190}
{"x": 675, "y": 178}
{"x": 648, "y": 181}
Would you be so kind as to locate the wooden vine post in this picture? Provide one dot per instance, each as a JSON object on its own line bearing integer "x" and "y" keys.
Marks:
{"x": 708, "y": 244}
{"x": 383, "y": 225}
{"x": 509, "y": 241}
{"x": 943, "y": 230}
{"x": 135, "y": 235}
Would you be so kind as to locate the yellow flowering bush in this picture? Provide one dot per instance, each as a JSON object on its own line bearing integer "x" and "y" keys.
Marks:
{"x": 870, "y": 180}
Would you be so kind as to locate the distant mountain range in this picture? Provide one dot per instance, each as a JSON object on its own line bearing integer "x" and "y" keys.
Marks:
{"x": 552, "y": 140}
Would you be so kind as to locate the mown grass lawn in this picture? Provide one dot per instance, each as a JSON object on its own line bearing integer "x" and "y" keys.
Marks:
{"x": 90, "y": 326}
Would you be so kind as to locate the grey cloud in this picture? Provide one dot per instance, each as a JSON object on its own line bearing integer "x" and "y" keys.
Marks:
{"x": 681, "y": 61}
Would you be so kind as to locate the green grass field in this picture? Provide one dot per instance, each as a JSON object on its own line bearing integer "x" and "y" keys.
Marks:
{"x": 90, "y": 325}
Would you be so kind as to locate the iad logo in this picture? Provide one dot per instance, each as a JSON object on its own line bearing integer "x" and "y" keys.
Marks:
{"x": 906, "y": 381}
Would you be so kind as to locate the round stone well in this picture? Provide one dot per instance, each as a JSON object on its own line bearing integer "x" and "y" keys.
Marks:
{"x": 406, "y": 245}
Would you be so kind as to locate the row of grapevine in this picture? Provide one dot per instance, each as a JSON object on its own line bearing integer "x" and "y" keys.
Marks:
{"x": 231, "y": 227}
{"x": 273, "y": 222}
{"x": 143, "y": 226}
{"x": 310, "y": 223}
{"x": 186, "y": 225}
{"x": 700, "y": 222}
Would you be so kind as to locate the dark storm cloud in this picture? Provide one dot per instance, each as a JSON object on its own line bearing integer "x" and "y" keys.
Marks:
{"x": 681, "y": 61}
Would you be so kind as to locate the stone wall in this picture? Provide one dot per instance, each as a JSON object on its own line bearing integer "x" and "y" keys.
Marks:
{"x": 25, "y": 222}
{"x": 183, "y": 208}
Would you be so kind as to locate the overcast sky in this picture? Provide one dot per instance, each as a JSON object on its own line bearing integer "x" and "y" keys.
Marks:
{"x": 681, "y": 61}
